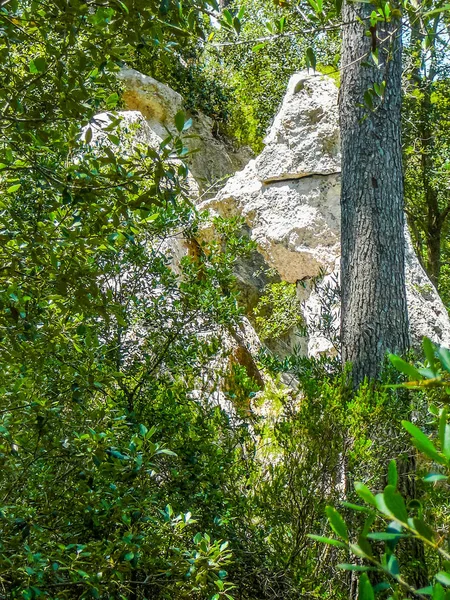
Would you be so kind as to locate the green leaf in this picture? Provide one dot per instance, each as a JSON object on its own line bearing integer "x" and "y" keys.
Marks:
{"x": 83, "y": 574}
{"x": 392, "y": 473}
{"x": 13, "y": 188}
{"x": 385, "y": 535}
{"x": 395, "y": 503}
{"x": 350, "y": 567}
{"x": 337, "y": 523}
{"x": 380, "y": 587}
{"x": 38, "y": 65}
{"x": 357, "y": 507}
{"x": 180, "y": 119}
{"x": 114, "y": 139}
{"x": 444, "y": 8}
{"x": 311, "y": 60}
{"x": 393, "y": 566}
{"x": 365, "y": 588}
{"x": 444, "y": 357}
{"x": 112, "y": 100}
{"x": 444, "y": 434}
{"x": 368, "y": 99}
{"x": 364, "y": 493}
{"x": 423, "y": 529}
{"x": 404, "y": 367}
{"x": 228, "y": 16}
{"x": 444, "y": 578}
{"x": 426, "y": 591}
{"x": 166, "y": 451}
{"x": 187, "y": 125}
{"x": 438, "y": 592}
{"x": 88, "y": 135}
{"x": 422, "y": 442}
{"x": 429, "y": 350}
{"x": 432, "y": 477}
{"x": 358, "y": 551}
{"x": 326, "y": 540}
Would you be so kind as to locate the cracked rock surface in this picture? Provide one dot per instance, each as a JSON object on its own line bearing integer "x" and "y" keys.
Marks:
{"x": 289, "y": 197}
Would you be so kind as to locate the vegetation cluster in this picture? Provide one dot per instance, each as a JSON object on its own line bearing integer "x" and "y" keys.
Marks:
{"x": 136, "y": 459}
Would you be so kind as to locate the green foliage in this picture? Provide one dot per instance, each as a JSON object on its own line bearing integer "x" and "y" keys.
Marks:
{"x": 95, "y": 325}
{"x": 394, "y": 521}
{"x": 278, "y": 311}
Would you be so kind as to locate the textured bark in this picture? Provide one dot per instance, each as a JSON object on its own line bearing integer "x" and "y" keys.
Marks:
{"x": 374, "y": 310}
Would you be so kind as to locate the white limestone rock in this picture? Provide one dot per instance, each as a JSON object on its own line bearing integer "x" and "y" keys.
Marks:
{"x": 213, "y": 159}
{"x": 304, "y": 139}
{"x": 289, "y": 197}
{"x": 294, "y": 222}
{"x": 427, "y": 313}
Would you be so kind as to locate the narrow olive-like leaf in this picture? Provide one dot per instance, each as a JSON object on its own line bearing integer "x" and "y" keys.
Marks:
{"x": 326, "y": 540}
{"x": 364, "y": 493}
{"x": 311, "y": 58}
{"x": 365, "y": 591}
{"x": 166, "y": 451}
{"x": 429, "y": 350}
{"x": 337, "y": 523}
{"x": 429, "y": 374}
{"x": 380, "y": 587}
{"x": 358, "y": 551}
{"x": 392, "y": 473}
{"x": 432, "y": 477}
{"x": 395, "y": 503}
{"x": 112, "y": 100}
{"x": 444, "y": 433}
{"x": 392, "y": 565}
{"x": 404, "y": 367}
{"x": 368, "y": 99}
{"x": 350, "y": 567}
{"x": 444, "y": 358}
{"x": 385, "y": 535}
{"x": 180, "y": 119}
{"x": 444, "y": 578}
{"x": 426, "y": 591}
{"x": 357, "y": 507}
{"x": 422, "y": 442}
{"x": 423, "y": 529}
{"x": 364, "y": 544}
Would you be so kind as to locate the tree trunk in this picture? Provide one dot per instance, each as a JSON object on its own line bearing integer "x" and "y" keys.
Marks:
{"x": 374, "y": 310}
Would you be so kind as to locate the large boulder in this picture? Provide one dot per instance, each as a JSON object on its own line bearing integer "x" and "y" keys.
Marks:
{"x": 289, "y": 198}
{"x": 213, "y": 158}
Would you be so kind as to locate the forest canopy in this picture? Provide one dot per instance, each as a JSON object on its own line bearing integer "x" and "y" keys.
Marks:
{"x": 147, "y": 450}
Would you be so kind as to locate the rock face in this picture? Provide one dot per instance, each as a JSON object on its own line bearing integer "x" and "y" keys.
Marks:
{"x": 289, "y": 198}
{"x": 213, "y": 159}
{"x": 304, "y": 138}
